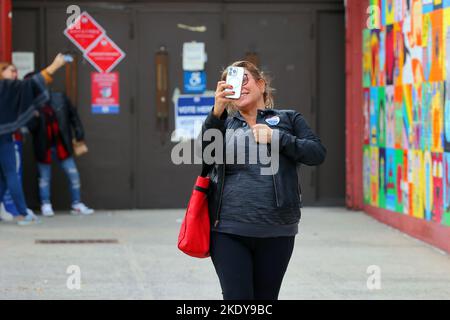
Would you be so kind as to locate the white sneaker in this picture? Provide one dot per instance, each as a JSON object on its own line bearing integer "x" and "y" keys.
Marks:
{"x": 5, "y": 215}
{"x": 30, "y": 218}
{"x": 47, "y": 210}
{"x": 80, "y": 208}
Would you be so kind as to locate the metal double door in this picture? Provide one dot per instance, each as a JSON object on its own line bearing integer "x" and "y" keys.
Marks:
{"x": 129, "y": 164}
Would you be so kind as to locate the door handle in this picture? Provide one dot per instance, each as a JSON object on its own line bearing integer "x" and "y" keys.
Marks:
{"x": 162, "y": 91}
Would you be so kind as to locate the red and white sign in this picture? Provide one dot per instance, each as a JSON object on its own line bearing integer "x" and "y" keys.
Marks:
{"x": 104, "y": 55}
{"x": 84, "y": 31}
{"x": 105, "y": 92}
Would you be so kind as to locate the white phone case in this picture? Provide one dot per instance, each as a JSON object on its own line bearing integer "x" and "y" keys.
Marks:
{"x": 235, "y": 75}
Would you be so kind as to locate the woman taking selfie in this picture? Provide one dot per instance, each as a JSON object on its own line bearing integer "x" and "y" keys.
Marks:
{"x": 18, "y": 100}
{"x": 255, "y": 216}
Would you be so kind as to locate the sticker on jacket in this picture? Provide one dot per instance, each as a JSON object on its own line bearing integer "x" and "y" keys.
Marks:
{"x": 273, "y": 121}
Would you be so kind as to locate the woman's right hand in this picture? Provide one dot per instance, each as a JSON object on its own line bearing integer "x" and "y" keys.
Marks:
{"x": 221, "y": 99}
{"x": 57, "y": 63}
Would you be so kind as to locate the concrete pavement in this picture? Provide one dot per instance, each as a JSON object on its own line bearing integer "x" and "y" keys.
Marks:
{"x": 333, "y": 251}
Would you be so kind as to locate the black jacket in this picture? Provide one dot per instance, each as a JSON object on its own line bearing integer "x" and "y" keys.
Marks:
{"x": 67, "y": 117}
{"x": 18, "y": 100}
{"x": 297, "y": 145}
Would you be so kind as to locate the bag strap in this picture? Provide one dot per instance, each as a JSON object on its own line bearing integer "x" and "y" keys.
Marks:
{"x": 205, "y": 169}
{"x": 200, "y": 189}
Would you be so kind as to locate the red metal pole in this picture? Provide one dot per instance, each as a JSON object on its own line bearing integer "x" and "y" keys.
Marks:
{"x": 5, "y": 30}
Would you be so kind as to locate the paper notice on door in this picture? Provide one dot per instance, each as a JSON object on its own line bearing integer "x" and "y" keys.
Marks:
{"x": 194, "y": 56}
{"x": 105, "y": 93}
{"x": 24, "y": 62}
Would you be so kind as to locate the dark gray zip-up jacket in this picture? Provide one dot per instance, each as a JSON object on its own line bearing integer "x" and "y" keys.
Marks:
{"x": 297, "y": 145}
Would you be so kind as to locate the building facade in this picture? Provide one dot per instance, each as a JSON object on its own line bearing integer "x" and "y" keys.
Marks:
{"x": 300, "y": 44}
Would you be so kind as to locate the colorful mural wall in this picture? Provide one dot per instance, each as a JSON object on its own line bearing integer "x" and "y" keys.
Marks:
{"x": 406, "y": 89}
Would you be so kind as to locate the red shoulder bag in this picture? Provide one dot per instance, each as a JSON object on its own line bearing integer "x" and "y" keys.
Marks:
{"x": 193, "y": 238}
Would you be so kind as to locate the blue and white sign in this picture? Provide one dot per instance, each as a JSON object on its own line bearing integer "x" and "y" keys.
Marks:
{"x": 190, "y": 112}
{"x": 194, "y": 81}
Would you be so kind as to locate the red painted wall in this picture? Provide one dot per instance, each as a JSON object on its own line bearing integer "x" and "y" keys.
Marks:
{"x": 354, "y": 23}
{"x": 5, "y": 30}
{"x": 432, "y": 233}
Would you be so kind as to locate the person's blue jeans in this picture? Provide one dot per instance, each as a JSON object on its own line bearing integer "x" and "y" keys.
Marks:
{"x": 45, "y": 175}
{"x": 9, "y": 178}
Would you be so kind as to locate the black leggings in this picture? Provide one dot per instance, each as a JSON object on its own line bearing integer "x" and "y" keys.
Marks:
{"x": 250, "y": 268}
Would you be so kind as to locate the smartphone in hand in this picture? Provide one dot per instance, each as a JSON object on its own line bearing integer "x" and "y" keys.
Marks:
{"x": 68, "y": 58}
{"x": 235, "y": 75}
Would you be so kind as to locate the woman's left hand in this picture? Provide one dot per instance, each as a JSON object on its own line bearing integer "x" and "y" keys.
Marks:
{"x": 262, "y": 133}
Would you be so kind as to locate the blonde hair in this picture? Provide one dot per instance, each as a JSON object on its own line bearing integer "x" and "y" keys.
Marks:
{"x": 3, "y": 67}
{"x": 257, "y": 75}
